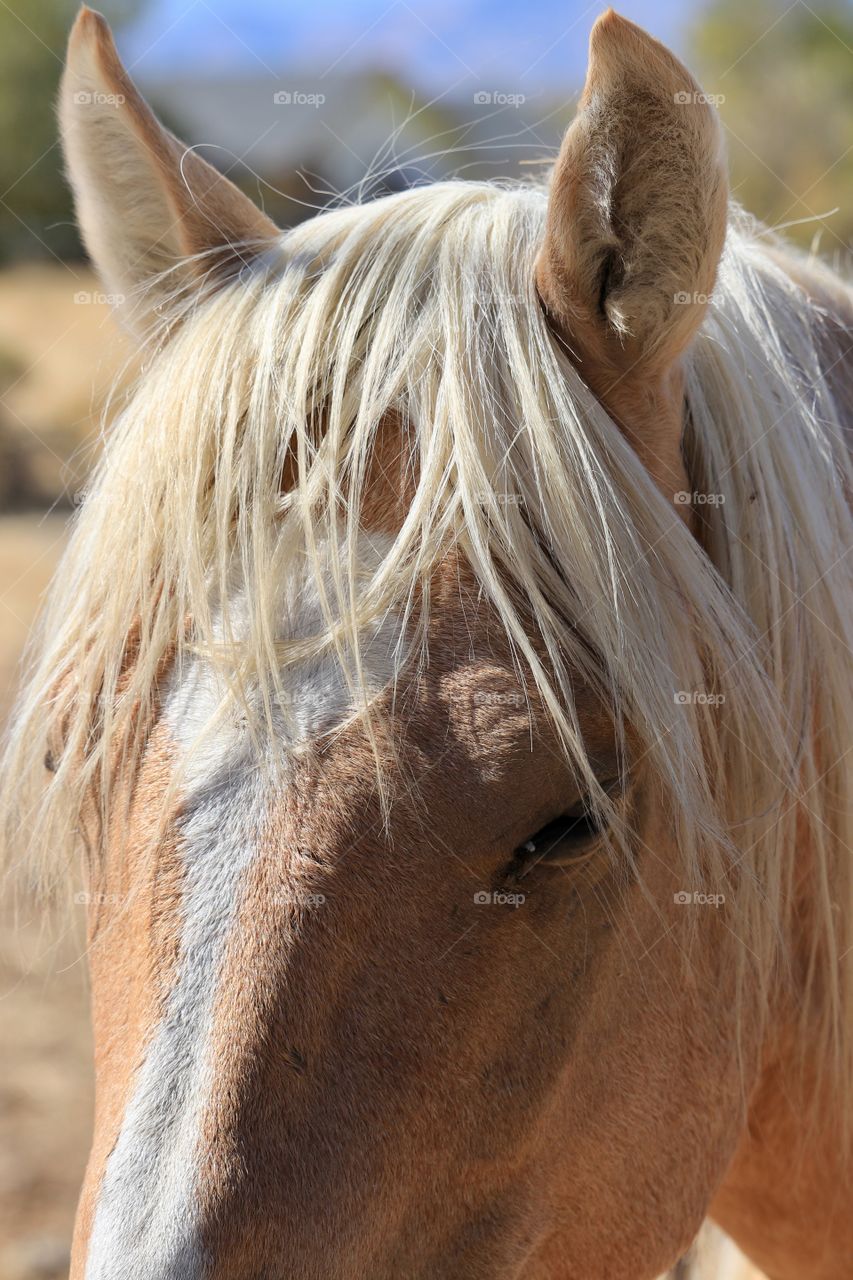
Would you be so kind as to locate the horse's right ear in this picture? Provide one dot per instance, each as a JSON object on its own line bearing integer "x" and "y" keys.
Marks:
{"x": 146, "y": 203}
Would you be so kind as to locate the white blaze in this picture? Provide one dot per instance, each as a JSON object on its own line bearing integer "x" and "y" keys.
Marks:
{"x": 146, "y": 1223}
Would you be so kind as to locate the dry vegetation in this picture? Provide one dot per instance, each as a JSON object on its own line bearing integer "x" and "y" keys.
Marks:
{"x": 45, "y": 1065}
{"x": 57, "y": 359}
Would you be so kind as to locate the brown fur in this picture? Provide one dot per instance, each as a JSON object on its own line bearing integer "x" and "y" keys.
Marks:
{"x": 133, "y": 947}
{"x": 412, "y": 1084}
{"x": 401, "y": 1069}
{"x": 136, "y": 186}
{"x": 637, "y": 217}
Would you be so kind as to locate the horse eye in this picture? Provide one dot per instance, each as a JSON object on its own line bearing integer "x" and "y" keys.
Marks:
{"x": 558, "y": 842}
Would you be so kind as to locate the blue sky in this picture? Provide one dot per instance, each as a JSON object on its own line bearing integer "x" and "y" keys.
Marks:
{"x": 433, "y": 44}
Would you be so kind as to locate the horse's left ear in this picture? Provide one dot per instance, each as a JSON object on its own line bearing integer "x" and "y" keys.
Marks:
{"x": 637, "y": 212}
{"x": 146, "y": 203}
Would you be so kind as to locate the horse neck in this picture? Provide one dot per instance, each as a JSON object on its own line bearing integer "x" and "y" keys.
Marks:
{"x": 786, "y": 1198}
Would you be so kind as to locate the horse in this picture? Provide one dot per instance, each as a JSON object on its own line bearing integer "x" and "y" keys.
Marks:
{"x": 446, "y": 695}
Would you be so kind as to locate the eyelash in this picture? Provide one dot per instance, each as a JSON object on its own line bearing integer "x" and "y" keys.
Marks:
{"x": 576, "y": 831}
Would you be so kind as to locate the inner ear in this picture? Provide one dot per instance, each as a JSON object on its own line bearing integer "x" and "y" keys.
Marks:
{"x": 637, "y": 207}
{"x": 636, "y": 221}
{"x": 156, "y": 218}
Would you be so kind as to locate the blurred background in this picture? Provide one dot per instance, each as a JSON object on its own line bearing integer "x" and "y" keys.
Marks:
{"x": 303, "y": 105}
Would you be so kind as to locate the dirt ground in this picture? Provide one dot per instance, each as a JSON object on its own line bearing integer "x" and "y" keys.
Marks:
{"x": 45, "y": 1052}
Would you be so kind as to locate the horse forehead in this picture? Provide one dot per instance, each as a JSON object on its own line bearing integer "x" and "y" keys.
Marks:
{"x": 316, "y": 690}
{"x": 468, "y": 681}
{"x": 240, "y": 847}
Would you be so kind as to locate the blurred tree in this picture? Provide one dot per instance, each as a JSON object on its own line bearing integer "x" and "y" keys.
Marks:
{"x": 786, "y": 76}
{"x": 35, "y": 205}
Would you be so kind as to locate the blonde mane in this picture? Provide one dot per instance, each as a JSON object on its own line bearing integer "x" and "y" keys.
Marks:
{"x": 422, "y": 305}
